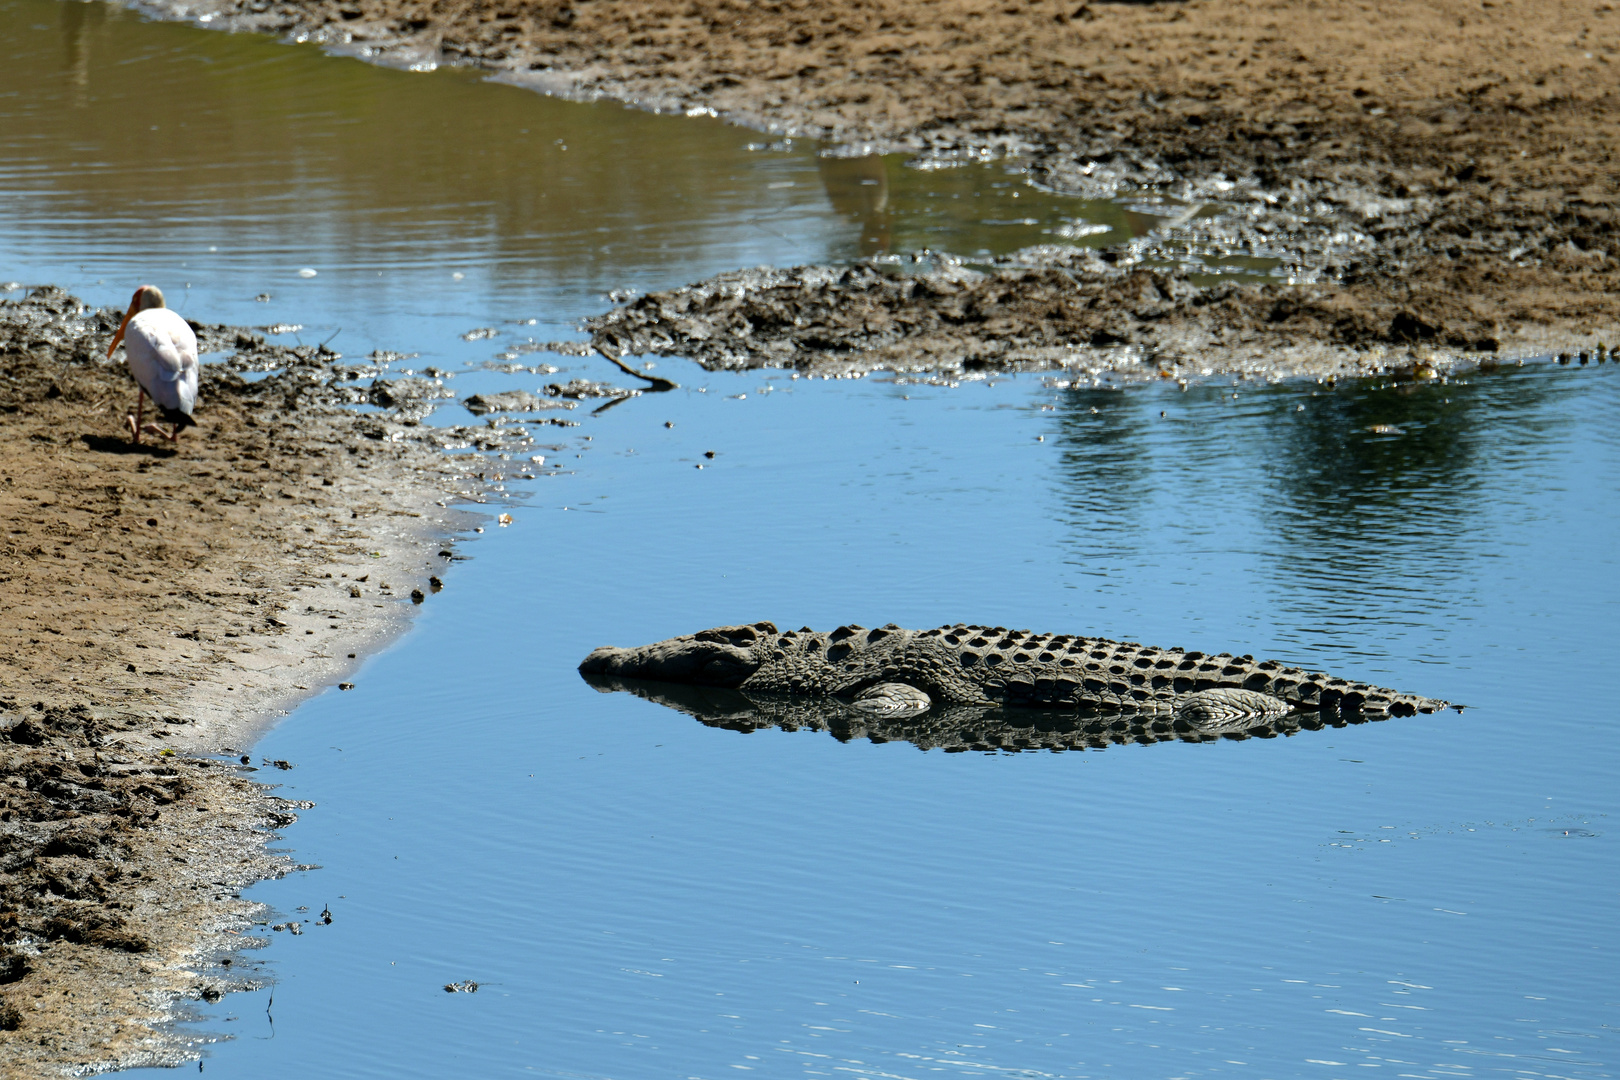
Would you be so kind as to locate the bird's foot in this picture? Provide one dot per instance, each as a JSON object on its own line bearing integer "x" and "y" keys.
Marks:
{"x": 134, "y": 432}
{"x": 154, "y": 429}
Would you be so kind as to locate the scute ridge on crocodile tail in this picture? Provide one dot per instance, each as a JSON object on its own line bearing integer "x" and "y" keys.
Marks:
{"x": 970, "y": 664}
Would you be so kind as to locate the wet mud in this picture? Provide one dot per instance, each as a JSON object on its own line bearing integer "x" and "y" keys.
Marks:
{"x": 1433, "y": 180}
{"x": 1064, "y": 309}
{"x": 163, "y": 603}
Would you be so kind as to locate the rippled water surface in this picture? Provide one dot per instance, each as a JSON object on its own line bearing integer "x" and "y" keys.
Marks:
{"x": 638, "y": 894}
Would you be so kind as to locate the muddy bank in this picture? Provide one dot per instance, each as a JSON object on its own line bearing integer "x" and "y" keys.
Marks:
{"x": 1437, "y": 171}
{"x": 162, "y": 604}
{"x": 1065, "y": 309}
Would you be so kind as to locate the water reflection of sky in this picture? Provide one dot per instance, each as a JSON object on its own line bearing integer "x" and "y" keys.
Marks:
{"x": 641, "y": 895}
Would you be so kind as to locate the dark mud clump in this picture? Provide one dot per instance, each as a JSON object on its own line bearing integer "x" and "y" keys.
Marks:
{"x": 1065, "y": 309}
{"x": 120, "y": 870}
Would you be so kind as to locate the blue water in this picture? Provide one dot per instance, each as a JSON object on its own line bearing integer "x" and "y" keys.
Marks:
{"x": 640, "y": 895}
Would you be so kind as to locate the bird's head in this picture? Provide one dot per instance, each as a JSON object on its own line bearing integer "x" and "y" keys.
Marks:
{"x": 147, "y": 296}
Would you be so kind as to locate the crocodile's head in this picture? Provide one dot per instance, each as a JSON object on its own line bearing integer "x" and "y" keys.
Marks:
{"x": 724, "y": 656}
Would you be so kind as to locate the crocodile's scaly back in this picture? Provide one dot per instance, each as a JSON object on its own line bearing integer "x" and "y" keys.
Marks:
{"x": 964, "y": 665}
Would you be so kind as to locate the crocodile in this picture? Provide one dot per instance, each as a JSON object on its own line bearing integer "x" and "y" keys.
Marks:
{"x": 889, "y": 670}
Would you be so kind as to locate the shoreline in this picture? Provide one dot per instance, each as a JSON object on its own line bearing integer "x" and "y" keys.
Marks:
{"x": 1436, "y": 177}
{"x": 166, "y": 606}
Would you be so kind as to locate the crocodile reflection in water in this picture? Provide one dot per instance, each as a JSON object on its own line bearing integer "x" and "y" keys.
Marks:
{"x": 1000, "y": 677}
{"x": 956, "y": 728}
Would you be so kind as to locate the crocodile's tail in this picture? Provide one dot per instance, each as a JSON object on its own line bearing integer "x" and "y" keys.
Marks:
{"x": 1306, "y": 691}
{"x": 1315, "y": 692}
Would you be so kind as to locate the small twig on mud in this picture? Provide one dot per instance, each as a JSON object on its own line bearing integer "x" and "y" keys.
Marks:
{"x": 654, "y": 383}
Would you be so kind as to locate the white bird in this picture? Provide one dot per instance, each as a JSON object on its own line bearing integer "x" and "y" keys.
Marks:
{"x": 162, "y": 354}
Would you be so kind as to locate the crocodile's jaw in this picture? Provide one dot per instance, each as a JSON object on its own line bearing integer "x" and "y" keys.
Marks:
{"x": 722, "y": 657}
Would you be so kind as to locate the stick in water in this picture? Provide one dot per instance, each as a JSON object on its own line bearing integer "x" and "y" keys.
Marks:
{"x": 654, "y": 383}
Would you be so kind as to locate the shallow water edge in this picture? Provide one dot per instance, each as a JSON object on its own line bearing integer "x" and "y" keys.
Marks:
{"x": 274, "y": 548}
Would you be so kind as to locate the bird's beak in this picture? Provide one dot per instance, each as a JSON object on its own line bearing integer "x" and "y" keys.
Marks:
{"x": 128, "y": 315}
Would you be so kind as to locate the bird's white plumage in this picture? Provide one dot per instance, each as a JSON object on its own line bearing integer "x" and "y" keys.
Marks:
{"x": 162, "y": 353}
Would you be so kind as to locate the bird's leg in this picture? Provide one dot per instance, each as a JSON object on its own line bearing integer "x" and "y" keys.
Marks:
{"x": 134, "y": 422}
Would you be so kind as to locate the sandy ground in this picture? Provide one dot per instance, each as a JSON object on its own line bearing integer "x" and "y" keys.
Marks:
{"x": 161, "y": 605}
{"x": 1432, "y": 173}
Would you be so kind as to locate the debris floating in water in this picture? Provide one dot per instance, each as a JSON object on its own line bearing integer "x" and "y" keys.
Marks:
{"x": 308, "y": 271}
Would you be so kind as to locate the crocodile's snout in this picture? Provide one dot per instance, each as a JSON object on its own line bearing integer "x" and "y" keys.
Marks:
{"x": 683, "y": 660}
